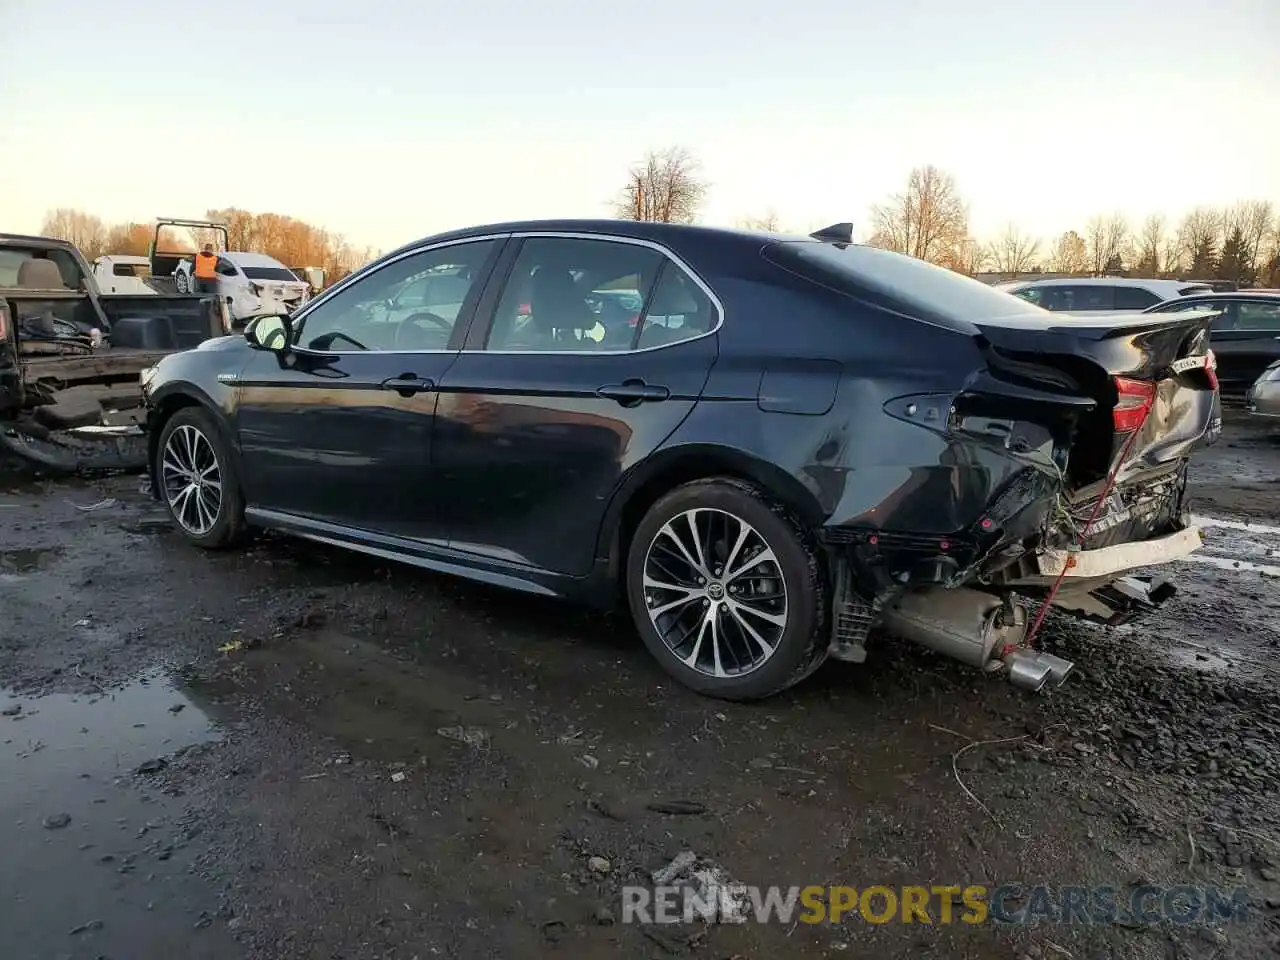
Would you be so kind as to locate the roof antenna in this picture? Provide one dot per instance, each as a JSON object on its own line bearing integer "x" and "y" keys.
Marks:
{"x": 836, "y": 233}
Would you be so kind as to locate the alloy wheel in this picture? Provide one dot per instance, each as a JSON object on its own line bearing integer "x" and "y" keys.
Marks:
{"x": 192, "y": 479}
{"x": 715, "y": 593}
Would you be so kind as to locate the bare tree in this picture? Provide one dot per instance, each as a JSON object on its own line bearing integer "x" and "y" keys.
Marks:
{"x": 967, "y": 256}
{"x": 1148, "y": 250}
{"x": 1069, "y": 254}
{"x": 1252, "y": 219}
{"x": 928, "y": 221}
{"x": 665, "y": 187}
{"x": 84, "y": 230}
{"x": 1200, "y": 240}
{"x": 1171, "y": 258}
{"x": 1013, "y": 252}
{"x": 1106, "y": 239}
{"x": 768, "y": 223}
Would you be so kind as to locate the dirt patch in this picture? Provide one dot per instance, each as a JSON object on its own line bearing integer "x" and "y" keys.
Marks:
{"x": 412, "y": 765}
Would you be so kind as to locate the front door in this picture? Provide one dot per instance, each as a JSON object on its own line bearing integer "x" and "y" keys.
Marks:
{"x": 596, "y": 350}
{"x": 338, "y": 431}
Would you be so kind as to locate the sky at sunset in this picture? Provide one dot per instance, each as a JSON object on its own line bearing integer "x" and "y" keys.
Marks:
{"x": 389, "y": 121}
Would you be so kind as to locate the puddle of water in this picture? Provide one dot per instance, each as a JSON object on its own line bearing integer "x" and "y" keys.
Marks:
{"x": 1235, "y": 566}
{"x": 1235, "y": 525}
{"x": 27, "y": 560}
{"x": 1203, "y": 660}
{"x": 119, "y": 858}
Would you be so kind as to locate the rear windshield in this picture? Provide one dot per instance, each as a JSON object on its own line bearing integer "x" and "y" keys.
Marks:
{"x": 930, "y": 289}
{"x": 12, "y": 259}
{"x": 1187, "y": 291}
{"x": 268, "y": 273}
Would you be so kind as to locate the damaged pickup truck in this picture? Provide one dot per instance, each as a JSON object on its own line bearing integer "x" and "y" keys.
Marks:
{"x": 70, "y": 357}
{"x": 792, "y": 443}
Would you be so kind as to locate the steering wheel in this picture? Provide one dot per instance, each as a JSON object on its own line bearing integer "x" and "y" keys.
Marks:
{"x": 422, "y": 317}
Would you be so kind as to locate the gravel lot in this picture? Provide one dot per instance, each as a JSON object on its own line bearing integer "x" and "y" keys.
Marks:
{"x": 257, "y": 755}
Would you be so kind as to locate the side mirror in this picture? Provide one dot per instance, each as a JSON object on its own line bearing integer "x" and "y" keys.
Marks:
{"x": 273, "y": 333}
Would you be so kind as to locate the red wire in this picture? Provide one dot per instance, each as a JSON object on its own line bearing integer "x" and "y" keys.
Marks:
{"x": 1080, "y": 537}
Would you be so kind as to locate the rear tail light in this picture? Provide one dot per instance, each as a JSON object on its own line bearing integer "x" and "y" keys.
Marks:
{"x": 1133, "y": 403}
{"x": 1211, "y": 369}
{"x": 523, "y": 310}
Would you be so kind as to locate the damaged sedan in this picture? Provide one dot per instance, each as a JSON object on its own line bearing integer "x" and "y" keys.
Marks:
{"x": 787, "y": 444}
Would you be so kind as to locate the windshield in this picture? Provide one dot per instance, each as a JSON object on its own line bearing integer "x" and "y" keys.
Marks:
{"x": 268, "y": 273}
{"x": 932, "y": 289}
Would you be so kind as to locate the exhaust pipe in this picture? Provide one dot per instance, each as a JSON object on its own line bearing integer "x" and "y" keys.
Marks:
{"x": 973, "y": 627}
{"x": 1033, "y": 670}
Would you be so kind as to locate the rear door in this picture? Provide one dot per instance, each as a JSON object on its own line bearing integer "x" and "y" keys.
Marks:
{"x": 552, "y": 401}
{"x": 1248, "y": 344}
{"x": 339, "y": 432}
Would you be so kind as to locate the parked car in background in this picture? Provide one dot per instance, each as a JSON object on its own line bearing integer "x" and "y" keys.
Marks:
{"x": 1100, "y": 294}
{"x": 1245, "y": 335}
{"x": 251, "y": 284}
{"x": 120, "y": 273}
{"x": 1263, "y": 398}
{"x": 910, "y": 448}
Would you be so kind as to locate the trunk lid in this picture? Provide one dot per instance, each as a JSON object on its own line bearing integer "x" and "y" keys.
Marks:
{"x": 1146, "y": 373}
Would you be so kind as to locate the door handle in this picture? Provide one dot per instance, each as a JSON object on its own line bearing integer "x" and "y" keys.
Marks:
{"x": 633, "y": 392}
{"x": 407, "y": 384}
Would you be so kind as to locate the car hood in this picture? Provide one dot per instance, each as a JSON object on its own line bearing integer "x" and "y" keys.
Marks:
{"x": 230, "y": 342}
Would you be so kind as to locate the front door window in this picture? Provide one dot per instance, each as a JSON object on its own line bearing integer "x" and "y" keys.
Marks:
{"x": 411, "y": 304}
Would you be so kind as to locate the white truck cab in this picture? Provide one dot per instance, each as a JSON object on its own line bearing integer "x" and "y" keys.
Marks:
{"x": 119, "y": 273}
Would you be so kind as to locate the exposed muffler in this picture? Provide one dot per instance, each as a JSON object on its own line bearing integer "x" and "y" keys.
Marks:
{"x": 975, "y": 628}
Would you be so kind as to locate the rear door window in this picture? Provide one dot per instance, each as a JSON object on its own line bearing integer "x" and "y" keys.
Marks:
{"x": 1134, "y": 298}
{"x": 1060, "y": 297}
{"x": 1086, "y": 298}
{"x": 678, "y": 310}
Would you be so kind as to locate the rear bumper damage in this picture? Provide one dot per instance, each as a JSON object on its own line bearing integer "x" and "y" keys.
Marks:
{"x": 976, "y": 601}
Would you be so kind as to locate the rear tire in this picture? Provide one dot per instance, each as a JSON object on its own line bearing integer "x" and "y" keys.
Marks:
{"x": 196, "y": 475}
{"x": 756, "y": 623}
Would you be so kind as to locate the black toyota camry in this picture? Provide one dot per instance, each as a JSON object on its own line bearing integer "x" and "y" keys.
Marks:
{"x": 768, "y": 447}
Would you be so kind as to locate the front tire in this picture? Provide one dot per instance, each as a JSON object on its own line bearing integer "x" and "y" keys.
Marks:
{"x": 726, "y": 590}
{"x": 197, "y": 478}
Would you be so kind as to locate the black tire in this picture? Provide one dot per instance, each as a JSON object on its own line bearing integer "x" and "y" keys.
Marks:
{"x": 802, "y": 644}
{"x": 228, "y": 527}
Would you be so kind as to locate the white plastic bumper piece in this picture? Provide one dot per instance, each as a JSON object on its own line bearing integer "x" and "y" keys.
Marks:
{"x": 1106, "y": 561}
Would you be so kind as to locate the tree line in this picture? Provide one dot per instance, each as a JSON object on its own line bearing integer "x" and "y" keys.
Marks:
{"x": 293, "y": 242}
{"x": 929, "y": 219}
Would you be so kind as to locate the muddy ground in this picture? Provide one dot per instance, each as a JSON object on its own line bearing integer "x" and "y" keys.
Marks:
{"x": 254, "y": 755}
